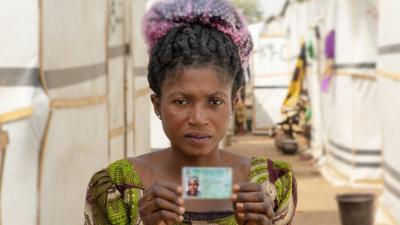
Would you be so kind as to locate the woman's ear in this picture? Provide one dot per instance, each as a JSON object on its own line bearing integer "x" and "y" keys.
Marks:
{"x": 236, "y": 98}
{"x": 155, "y": 99}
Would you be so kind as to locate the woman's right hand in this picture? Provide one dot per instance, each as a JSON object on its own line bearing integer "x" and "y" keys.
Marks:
{"x": 161, "y": 204}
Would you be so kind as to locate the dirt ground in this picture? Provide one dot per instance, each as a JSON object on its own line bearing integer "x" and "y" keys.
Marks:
{"x": 316, "y": 196}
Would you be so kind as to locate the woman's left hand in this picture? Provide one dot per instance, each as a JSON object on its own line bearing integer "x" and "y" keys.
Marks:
{"x": 251, "y": 205}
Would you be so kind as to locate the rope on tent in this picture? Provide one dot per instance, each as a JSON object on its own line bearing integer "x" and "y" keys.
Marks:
{"x": 77, "y": 102}
{"x": 16, "y": 115}
{"x": 126, "y": 85}
{"x": 142, "y": 92}
{"x": 356, "y": 75}
{"x": 3, "y": 140}
{"x": 43, "y": 145}
{"x": 130, "y": 127}
{"x": 121, "y": 130}
{"x": 116, "y": 132}
{"x": 3, "y": 144}
{"x": 390, "y": 75}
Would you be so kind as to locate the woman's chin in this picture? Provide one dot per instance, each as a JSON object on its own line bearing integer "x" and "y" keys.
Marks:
{"x": 198, "y": 152}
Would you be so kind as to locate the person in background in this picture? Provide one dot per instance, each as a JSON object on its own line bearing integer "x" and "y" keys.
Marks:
{"x": 193, "y": 186}
{"x": 198, "y": 52}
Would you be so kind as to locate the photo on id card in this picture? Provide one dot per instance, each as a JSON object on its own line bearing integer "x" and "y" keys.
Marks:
{"x": 207, "y": 182}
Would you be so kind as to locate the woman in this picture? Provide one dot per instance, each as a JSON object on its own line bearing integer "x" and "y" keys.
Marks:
{"x": 199, "y": 50}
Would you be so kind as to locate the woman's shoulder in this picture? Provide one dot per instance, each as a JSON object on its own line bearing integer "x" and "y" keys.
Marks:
{"x": 278, "y": 182}
{"x": 122, "y": 172}
{"x": 263, "y": 168}
{"x": 131, "y": 169}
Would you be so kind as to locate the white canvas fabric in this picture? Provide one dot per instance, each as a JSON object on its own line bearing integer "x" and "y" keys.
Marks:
{"x": 20, "y": 171}
{"x": 60, "y": 127}
{"x": 116, "y": 78}
{"x": 271, "y": 74}
{"x": 130, "y": 111}
{"x": 269, "y": 94}
{"x": 77, "y": 143}
{"x": 130, "y": 100}
{"x": 142, "y": 91}
{"x": 356, "y": 28}
{"x": 353, "y": 141}
{"x": 143, "y": 108}
{"x": 23, "y": 111}
{"x": 389, "y": 92}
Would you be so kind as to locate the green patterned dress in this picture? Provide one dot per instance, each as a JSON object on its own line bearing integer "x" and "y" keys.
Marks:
{"x": 113, "y": 195}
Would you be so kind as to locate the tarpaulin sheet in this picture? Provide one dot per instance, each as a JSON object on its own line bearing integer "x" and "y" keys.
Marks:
{"x": 356, "y": 29}
{"x": 23, "y": 110}
{"x": 389, "y": 92}
{"x": 142, "y": 92}
{"x": 116, "y": 77}
{"x": 130, "y": 88}
{"x": 271, "y": 74}
{"x": 76, "y": 146}
{"x": 351, "y": 118}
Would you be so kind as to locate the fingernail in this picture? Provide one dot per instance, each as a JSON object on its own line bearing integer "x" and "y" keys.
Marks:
{"x": 236, "y": 187}
{"x": 233, "y": 197}
{"x": 180, "y": 201}
{"x": 181, "y": 218}
{"x": 181, "y": 210}
{"x": 240, "y": 205}
{"x": 179, "y": 189}
{"x": 241, "y": 215}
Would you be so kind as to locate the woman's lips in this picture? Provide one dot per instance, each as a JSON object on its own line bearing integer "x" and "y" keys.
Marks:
{"x": 198, "y": 138}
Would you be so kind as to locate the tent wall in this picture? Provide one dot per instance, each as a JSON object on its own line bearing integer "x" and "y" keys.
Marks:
{"x": 74, "y": 50}
{"x": 326, "y": 14}
{"x": 23, "y": 111}
{"x": 354, "y": 141}
{"x": 142, "y": 90}
{"x": 271, "y": 74}
{"x": 389, "y": 91}
{"x": 116, "y": 78}
{"x": 302, "y": 18}
{"x": 129, "y": 80}
{"x": 67, "y": 103}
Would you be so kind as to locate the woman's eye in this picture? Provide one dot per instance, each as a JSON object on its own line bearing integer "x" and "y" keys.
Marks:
{"x": 181, "y": 102}
{"x": 216, "y": 101}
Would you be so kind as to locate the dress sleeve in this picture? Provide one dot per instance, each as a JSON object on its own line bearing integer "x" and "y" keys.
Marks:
{"x": 112, "y": 196}
{"x": 279, "y": 184}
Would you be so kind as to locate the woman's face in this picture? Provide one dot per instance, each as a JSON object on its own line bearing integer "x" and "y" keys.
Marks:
{"x": 195, "y": 108}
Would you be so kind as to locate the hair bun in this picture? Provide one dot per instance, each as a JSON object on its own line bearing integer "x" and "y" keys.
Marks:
{"x": 219, "y": 14}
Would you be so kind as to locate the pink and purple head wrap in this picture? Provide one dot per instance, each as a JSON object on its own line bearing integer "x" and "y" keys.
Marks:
{"x": 219, "y": 14}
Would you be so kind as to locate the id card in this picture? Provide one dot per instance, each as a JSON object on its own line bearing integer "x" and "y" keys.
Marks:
{"x": 207, "y": 182}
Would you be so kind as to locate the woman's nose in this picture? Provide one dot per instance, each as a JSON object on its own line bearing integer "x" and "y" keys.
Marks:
{"x": 198, "y": 116}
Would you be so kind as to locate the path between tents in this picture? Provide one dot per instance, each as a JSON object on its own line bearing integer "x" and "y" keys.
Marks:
{"x": 316, "y": 196}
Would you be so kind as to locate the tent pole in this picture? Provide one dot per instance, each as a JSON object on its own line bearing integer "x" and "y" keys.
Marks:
{"x": 3, "y": 144}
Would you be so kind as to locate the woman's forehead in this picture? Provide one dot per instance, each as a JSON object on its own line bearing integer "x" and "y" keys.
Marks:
{"x": 206, "y": 80}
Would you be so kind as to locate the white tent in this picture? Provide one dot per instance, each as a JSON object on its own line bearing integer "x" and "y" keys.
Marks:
{"x": 359, "y": 109}
{"x": 66, "y": 102}
{"x": 353, "y": 140}
{"x": 270, "y": 71}
{"x": 301, "y": 20}
{"x": 388, "y": 69}
{"x": 23, "y": 111}
{"x": 345, "y": 123}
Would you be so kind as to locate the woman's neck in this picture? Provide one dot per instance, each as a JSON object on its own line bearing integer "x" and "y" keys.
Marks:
{"x": 180, "y": 159}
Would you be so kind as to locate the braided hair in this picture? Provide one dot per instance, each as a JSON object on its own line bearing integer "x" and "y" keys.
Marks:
{"x": 194, "y": 45}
